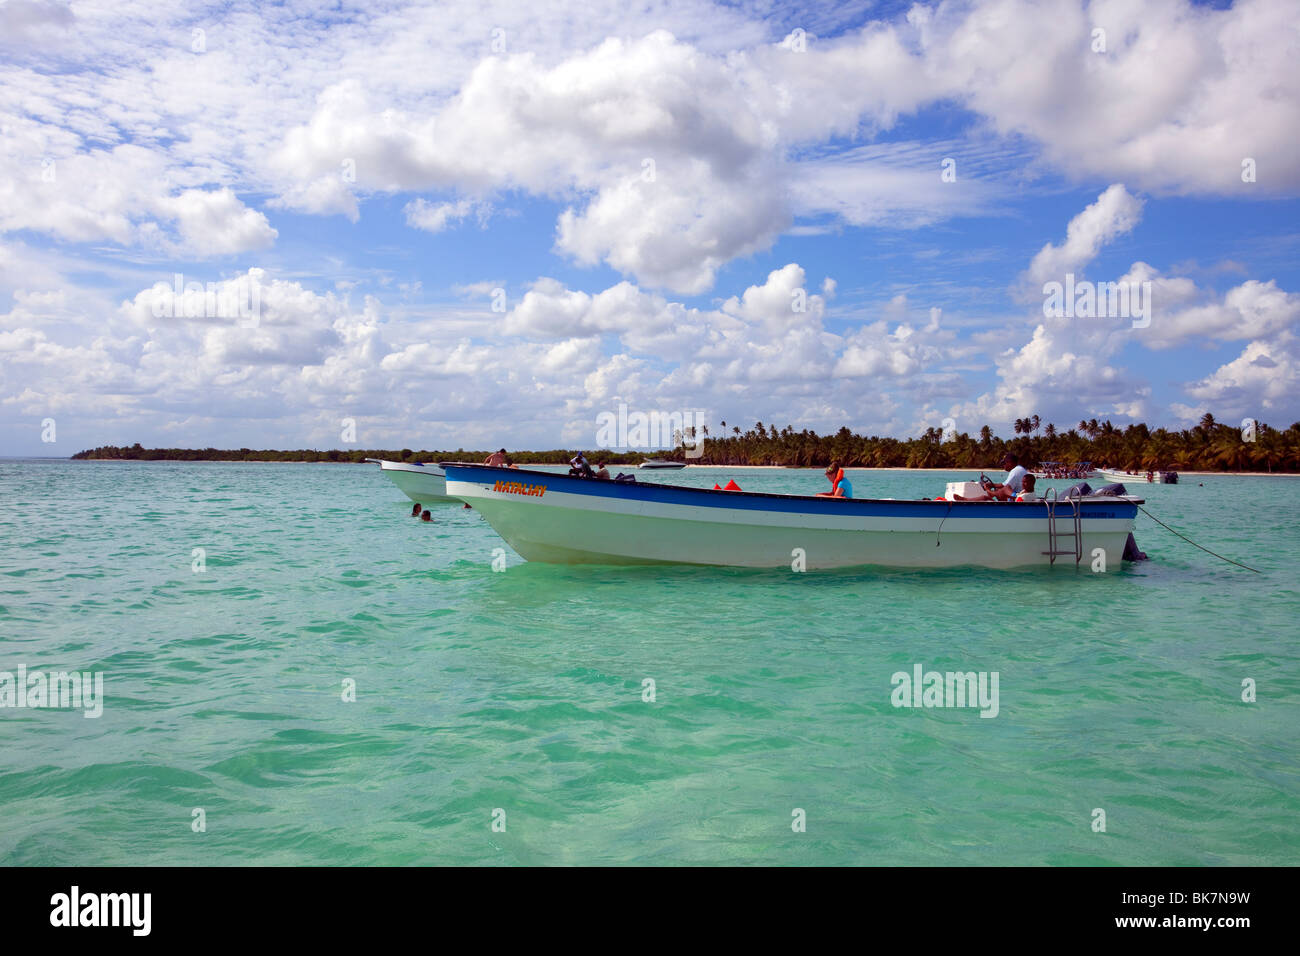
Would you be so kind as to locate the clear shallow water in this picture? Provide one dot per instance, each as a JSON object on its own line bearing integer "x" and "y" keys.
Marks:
{"x": 522, "y": 690}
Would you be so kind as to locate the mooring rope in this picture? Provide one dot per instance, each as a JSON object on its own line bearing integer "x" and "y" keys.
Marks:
{"x": 1194, "y": 544}
{"x": 939, "y": 530}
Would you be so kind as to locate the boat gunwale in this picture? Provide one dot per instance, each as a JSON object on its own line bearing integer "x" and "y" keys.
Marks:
{"x": 410, "y": 466}
{"x": 444, "y": 465}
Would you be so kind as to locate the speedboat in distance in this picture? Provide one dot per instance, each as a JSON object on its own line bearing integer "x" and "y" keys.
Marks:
{"x": 1138, "y": 477}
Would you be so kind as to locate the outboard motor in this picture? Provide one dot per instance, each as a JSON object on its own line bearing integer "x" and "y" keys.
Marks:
{"x": 1081, "y": 490}
{"x": 1131, "y": 552}
{"x": 1169, "y": 477}
{"x": 1112, "y": 490}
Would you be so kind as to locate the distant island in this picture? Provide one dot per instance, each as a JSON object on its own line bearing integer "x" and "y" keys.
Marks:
{"x": 349, "y": 457}
{"x": 1208, "y": 446}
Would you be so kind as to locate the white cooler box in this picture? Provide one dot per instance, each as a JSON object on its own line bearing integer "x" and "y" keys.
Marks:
{"x": 967, "y": 489}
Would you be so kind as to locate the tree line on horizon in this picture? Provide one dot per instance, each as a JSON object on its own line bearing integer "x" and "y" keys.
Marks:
{"x": 1207, "y": 446}
{"x": 137, "y": 452}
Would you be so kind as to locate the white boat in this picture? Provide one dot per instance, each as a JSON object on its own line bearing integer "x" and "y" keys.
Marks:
{"x": 426, "y": 484}
{"x": 567, "y": 520}
{"x": 1140, "y": 477}
{"x": 662, "y": 464}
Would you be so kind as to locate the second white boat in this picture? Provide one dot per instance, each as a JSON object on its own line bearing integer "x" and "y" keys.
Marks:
{"x": 426, "y": 484}
{"x": 1140, "y": 477}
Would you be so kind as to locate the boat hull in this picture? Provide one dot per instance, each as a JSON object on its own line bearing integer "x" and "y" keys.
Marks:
{"x": 562, "y": 520}
{"x": 426, "y": 484}
{"x": 1127, "y": 478}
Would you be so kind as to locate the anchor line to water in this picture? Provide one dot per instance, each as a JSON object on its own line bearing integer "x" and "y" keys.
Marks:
{"x": 1194, "y": 544}
{"x": 939, "y": 530}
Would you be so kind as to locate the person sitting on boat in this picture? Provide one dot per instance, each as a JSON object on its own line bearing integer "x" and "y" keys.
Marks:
{"x": 497, "y": 459}
{"x": 602, "y": 471}
{"x": 841, "y": 487}
{"x": 1027, "y": 489}
{"x": 1012, "y": 486}
{"x": 578, "y": 467}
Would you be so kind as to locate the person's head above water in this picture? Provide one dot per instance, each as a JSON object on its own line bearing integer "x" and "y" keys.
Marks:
{"x": 425, "y": 516}
{"x": 415, "y": 512}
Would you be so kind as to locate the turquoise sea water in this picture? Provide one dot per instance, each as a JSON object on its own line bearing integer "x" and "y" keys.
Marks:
{"x": 523, "y": 690}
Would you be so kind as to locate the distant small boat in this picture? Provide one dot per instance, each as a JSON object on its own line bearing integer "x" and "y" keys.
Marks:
{"x": 662, "y": 464}
{"x": 561, "y": 519}
{"x": 1141, "y": 477}
{"x": 426, "y": 484}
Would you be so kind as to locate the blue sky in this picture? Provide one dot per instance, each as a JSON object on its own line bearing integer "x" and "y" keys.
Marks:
{"x": 653, "y": 187}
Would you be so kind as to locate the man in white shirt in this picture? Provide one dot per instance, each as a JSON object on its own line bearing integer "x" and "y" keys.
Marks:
{"x": 1015, "y": 478}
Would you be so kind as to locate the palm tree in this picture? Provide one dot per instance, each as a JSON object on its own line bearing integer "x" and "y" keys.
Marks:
{"x": 1229, "y": 451}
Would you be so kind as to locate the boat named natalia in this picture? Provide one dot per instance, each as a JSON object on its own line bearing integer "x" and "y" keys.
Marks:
{"x": 560, "y": 519}
{"x": 423, "y": 483}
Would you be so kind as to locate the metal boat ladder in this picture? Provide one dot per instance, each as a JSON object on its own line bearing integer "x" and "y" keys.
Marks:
{"x": 1055, "y": 534}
